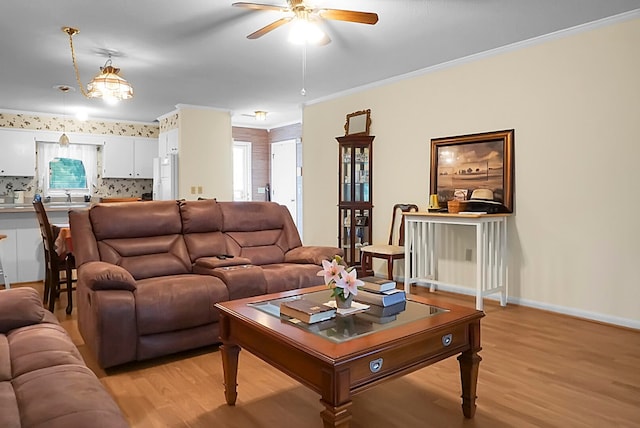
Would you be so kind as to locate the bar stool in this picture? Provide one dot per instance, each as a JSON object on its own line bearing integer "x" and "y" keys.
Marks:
{"x": 3, "y": 272}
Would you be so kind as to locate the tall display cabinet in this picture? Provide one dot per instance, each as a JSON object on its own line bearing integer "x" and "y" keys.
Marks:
{"x": 355, "y": 172}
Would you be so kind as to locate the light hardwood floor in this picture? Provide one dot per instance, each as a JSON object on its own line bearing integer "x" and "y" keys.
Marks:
{"x": 538, "y": 369}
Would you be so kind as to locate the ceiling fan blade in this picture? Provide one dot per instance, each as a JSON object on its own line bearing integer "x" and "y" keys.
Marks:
{"x": 264, "y": 30}
{"x": 349, "y": 15}
{"x": 258, "y": 6}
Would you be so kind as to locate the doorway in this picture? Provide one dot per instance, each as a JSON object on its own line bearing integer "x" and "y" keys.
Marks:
{"x": 284, "y": 176}
{"x": 241, "y": 171}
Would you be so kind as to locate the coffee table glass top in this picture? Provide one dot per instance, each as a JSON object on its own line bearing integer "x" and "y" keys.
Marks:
{"x": 361, "y": 322}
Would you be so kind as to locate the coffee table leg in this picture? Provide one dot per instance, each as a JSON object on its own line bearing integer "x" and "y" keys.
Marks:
{"x": 230, "y": 354}
{"x": 336, "y": 399}
{"x": 469, "y": 364}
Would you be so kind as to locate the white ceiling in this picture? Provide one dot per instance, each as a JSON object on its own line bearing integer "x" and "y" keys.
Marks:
{"x": 196, "y": 52}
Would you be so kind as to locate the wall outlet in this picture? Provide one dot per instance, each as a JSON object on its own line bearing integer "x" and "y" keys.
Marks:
{"x": 468, "y": 254}
{"x": 193, "y": 190}
{"x": 199, "y": 190}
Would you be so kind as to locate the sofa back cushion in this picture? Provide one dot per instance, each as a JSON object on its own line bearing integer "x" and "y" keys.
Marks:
{"x": 144, "y": 238}
{"x": 257, "y": 230}
{"x": 202, "y": 225}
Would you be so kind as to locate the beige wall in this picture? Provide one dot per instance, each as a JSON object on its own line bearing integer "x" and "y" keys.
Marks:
{"x": 206, "y": 156}
{"x": 574, "y": 102}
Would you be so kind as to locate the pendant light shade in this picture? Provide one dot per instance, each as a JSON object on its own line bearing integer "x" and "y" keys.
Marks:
{"x": 64, "y": 140}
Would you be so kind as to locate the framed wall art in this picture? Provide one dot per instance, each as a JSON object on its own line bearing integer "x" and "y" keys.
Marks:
{"x": 462, "y": 164}
{"x": 358, "y": 123}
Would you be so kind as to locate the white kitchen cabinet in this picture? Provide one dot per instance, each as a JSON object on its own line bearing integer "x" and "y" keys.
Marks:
{"x": 9, "y": 259}
{"x": 18, "y": 150}
{"x": 30, "y": 255}
{"x": 128, "y": 157}
{"x": 145, "y": 149}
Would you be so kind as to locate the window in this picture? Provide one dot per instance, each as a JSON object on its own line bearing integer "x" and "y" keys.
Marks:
{"x": 66, "y": 173}
{"x": 67, "y": 169}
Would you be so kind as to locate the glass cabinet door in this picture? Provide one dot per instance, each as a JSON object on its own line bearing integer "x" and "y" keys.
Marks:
{"x": 346, "y": 170}
{"x": 356, "y": 233}
{"x": 361, "y": 182}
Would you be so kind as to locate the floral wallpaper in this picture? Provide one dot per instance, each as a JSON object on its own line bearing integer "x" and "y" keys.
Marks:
{"x": 106, "y": 187}
{"x": 169, "y": 122}
{"x": 68, "y": 124}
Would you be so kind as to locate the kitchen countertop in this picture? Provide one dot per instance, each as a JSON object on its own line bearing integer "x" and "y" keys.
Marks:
{"x": 53, "y": 206}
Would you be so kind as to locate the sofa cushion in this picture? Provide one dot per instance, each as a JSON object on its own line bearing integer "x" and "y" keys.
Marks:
{"x": 135, "y": 220}
{"x": 147, "y": 257}
{"x": 65, "y": 396}
{"x": 251, "y": 216}
{"x": 19, "y": 307}
{"x": 177, "y": 302}
{"x": 40, "y": 345}
{"x": 289, "y": 276}
{"x": 200, "y": 216}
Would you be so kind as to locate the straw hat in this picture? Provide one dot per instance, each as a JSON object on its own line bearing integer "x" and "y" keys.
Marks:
{"x": 483, "y": 195}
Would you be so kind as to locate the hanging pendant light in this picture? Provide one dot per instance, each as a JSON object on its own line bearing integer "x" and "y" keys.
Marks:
{"x": 64, "y": 139}
{"x": 107, "y": 84}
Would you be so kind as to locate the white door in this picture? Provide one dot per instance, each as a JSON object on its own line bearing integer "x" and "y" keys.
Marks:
{"x": 283, "y": 175}
{"x": 241, "y": 171}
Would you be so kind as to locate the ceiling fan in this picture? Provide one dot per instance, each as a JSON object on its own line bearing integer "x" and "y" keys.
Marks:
{"x": 301, "y": 13}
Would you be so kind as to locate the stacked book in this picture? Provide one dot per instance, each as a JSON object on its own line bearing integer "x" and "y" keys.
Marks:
{"x": 307, "y": 311}
{"x": 386, "y": 301}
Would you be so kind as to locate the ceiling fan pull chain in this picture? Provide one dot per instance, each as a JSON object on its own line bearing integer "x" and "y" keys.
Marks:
{"x": 303, "y": 92}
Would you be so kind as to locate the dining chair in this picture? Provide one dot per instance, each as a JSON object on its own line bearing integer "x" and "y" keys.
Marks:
{"x": 394, "y": 249}
{"x": 55, "y": 264}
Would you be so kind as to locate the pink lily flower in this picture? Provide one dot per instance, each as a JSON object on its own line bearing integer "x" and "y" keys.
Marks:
{"x": 331, "y": 271}
{"x": 349, "y": 283}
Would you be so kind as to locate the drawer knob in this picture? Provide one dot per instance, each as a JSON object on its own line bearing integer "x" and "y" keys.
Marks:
{"x": 375, "y": 365}
{"x": 447, "y": 339}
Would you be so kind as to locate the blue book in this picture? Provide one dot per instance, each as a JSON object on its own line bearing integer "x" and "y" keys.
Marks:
{"x": 385, "y": 298}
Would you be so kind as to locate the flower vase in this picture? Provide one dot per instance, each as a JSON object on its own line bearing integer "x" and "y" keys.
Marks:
{"x": 343, "y": 303}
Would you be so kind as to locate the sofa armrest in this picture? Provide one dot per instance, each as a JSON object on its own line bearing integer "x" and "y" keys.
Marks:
{"x": 311, "y": 254}
{"x": 20, "y": 307}
{"x": 105, "y": 276}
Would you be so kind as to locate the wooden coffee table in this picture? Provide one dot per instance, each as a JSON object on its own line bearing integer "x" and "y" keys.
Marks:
{"x": 349, "y": 354}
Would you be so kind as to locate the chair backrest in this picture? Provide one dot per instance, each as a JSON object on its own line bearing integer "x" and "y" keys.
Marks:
{"x": 51, "y": 258}
{"x": 398, "y": 209}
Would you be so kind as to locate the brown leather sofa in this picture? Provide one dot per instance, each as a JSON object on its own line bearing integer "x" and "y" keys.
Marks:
{"x": 149, "y": 273}
{"x": 43, "y": 379}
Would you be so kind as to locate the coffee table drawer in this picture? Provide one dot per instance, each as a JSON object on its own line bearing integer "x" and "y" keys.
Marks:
{"x": 393, "y": 359}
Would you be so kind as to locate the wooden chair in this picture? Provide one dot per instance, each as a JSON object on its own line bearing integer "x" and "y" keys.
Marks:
{"x": 392, "y": 251}
{"x": 55, "y": 264}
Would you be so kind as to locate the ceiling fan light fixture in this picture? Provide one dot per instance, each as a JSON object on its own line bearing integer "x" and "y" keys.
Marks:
{"x": 304, "y": 31}
{"x": 107, "y": 84}
{"x": 261, "y": 115}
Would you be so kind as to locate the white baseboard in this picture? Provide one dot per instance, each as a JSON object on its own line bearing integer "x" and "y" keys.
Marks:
{"x": 565, "y": 310}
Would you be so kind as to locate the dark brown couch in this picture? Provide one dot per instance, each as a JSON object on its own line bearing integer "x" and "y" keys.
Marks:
{"x": 44, "y": 382}
{"x": 149, "y": 272}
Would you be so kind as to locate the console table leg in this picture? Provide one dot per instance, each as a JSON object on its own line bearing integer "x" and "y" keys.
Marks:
{"x": 230, "y": 354}
{"x": 469, "y": 365}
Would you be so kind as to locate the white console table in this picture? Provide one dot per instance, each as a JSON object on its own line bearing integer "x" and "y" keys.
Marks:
{"x": 420, "y": 265}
